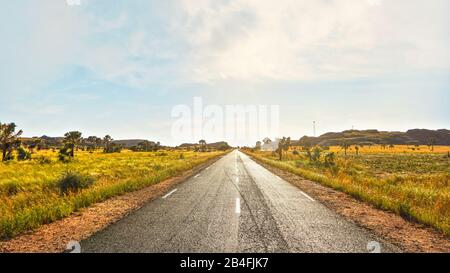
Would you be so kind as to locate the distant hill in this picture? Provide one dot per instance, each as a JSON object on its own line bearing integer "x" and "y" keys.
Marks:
{"x": 367, "y": 137}
{"x": 127, "y": 143}
{"x": 216, "y": 145}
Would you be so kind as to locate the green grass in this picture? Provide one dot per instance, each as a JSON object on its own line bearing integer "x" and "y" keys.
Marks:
{"x": 415, "y": 186}
{"x": 30, "y": 191}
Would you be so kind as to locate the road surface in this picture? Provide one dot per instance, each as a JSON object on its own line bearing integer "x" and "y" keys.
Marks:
{"x": 235, "y": 205}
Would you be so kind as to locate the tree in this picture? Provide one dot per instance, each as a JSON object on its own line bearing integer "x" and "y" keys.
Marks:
{"x": 432, "y": 143}
{"x": 8, "y": 139}
{"x": 267, "y": 140}
{"x": 306, "y": 146}
{"x": 345, "y": 145}
{"x": 113, "y": 148}
{"x": 35, "y": 143}
{"x": 144, "y": 146}
{"x": 107, "y": 142}
{"x": 93, "y": 142}
{"x": 71, "y": 141}
{"x": 283, "y": 145}
{"x": 202, "y": 143}
{"x": 258, "y": 145}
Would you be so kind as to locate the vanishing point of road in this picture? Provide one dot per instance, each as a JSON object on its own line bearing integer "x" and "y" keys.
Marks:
{"x": 234, "y": 205}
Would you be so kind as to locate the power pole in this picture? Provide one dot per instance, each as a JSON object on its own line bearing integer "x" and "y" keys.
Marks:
{"x": 314, "y": 128}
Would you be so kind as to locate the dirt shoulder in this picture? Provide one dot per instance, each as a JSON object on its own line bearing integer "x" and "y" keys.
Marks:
{"x": 410, "y": 237}
{"x": 54, "y": 237}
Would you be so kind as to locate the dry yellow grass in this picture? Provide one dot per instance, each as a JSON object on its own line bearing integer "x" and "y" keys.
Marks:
{"x": 30, "y": 197}
{"x": 412, "y": 183}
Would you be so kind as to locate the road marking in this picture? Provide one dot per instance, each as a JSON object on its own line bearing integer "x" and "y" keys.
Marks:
{"x": 238, "y": 205}
{"x": 307, "y": 196}
{"x": 197, "y": 176}
{"x": 167, "y": 195}
{"x": 237, "y": 179}
{"x": 207, "y": 168}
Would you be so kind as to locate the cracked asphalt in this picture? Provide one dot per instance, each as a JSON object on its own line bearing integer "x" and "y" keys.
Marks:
{"x": 235, "y": 205}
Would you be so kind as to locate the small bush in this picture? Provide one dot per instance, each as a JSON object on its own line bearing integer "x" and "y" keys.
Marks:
{"x": 23, "y": 154}
{"x": 295, "y": 152}
{"x": 181, "y": 156}
{"x": 44, "y": 160}
{"x": 73, "y": 182}
{"x": 316, "y": 153}
{"x": 64, "y": 154}
{"x": 10, "y": 188}
{"x": 9, "y": 156}
{"x": 113, "y": 148}
{"x": 330, "y": 159}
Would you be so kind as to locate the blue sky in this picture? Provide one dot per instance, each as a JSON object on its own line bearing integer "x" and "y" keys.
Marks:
{"x": 119, "y": 67}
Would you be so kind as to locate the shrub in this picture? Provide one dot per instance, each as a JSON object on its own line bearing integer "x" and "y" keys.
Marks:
{"x": 181, "y": 156}
{"x": 73, "y": 182}
{"x": 113, "y": 148}
{"x": 44, "y": 160}
{"x": 9, "y": 156}
{"x": 23, "y": 154}
{"x": 315, "y": 156}
{"x": 330, "y": 159}
{"x": 64, "y": 154}
{"x": 295, "y": 152}
{"x": 10, "y": 188}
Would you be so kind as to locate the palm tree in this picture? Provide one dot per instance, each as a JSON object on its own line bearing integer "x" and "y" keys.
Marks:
{"x": 258, "y": 145}
{"x": 93, "y": 142}
{"x": 432, "y": 143}
{"x": 345, "y": 145}
{"x": 283, "y": 145}
{"x": 107, "y": 141}
{"x": 72, "y": 140}
{"x": 37, "y": 143}
{"x": 8, "y": 137}
{"x": 202, "y": 145}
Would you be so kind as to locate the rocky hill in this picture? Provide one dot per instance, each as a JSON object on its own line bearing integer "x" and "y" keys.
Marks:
{"x": 367, "y": 137}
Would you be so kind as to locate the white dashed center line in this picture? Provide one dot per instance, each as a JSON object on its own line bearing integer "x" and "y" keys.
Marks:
{"x": 167, "y": 195}
{"x": 238, "y": 205}
{"x": 197, "y": 176}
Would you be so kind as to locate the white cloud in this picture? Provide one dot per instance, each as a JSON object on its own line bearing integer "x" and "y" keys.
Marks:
{"x": 37, "y": 40}
{"x": 254, "y": 40}
{"x": 216, "y": 40}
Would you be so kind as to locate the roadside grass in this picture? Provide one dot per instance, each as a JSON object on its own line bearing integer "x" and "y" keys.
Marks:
{"x": 413, "y": 185}
{"x": 30, "y": 191}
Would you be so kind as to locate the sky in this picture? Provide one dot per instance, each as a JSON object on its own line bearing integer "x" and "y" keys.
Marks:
{"x": 121, "y": 67}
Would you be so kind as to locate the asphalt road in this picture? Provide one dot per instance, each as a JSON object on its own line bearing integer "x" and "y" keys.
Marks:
{"x": 235, "y": 205}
